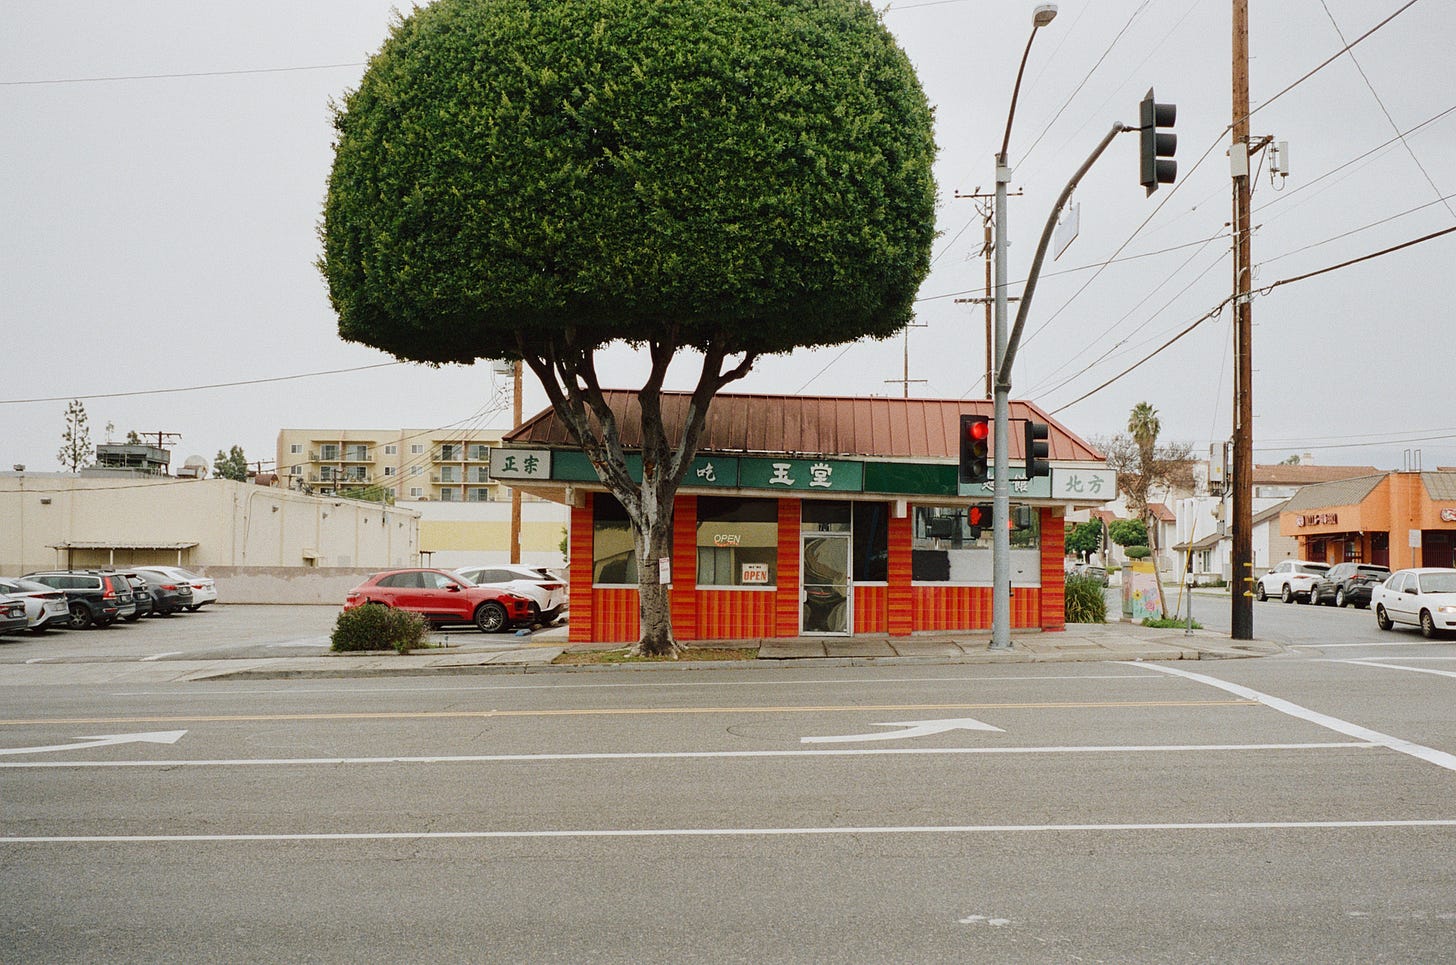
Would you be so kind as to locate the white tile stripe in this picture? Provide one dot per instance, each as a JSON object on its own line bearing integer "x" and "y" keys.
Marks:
{"x": 723, "y": 832}
{"x": 1428, "y": 754}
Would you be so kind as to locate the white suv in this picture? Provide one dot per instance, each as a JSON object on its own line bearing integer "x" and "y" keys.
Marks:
{"x": 1291, "y": 580}
{"x": 546, "y": 593}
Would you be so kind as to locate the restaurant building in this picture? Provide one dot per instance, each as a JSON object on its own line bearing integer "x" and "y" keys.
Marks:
{"x": 814, "y": 515}
{"x": 1395, "y": 519}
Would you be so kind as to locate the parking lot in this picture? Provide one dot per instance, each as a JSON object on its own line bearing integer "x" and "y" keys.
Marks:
{"x": 215, "y": 632}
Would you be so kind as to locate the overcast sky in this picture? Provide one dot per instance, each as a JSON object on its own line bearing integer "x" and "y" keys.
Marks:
{"x": 164, "y": 166}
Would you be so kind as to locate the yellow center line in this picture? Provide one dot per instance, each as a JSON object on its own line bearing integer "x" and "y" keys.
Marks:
{"x": 634, "y": 711}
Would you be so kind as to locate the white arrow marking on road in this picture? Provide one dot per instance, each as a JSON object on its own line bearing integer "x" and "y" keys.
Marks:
{"x": 916, "y": 728}
{"x": 102, "y": 740}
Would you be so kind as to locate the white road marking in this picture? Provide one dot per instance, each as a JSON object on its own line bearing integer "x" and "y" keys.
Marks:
{"x": 1338, "y": 646}
{"x": 1420, "y": 751}
{"x": 163, "y": 656}
{"x": 1394, "y": 666}
{"x": 725, "y": 832}
{"x": 914, "y": 728}
{"x": 102, "y": 740}
{"x": 707, "y": 755}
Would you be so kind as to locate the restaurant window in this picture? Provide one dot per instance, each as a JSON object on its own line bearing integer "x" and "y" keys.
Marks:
{"x": 738, "y": 541}
{"x": 614, "y": 545}
{"x": 871, "y": 542}
{"x": 952, "y": 544}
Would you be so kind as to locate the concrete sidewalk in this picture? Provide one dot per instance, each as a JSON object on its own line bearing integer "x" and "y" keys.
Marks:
{"x": 1086, "y": 642}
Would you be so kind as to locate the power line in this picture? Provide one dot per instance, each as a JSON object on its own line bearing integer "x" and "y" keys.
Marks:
{"x": 196, "y": 73}
{"x": 1384, "y": 110}
{"x": 1263, "y": 291}
{"x": 199, "y": 388}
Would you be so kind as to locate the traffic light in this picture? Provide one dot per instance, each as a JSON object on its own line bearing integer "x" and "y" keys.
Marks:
{"x": 1037, "y": 449}
{"x": 1158, "y": 147}
{"x": 975, "y": 448}
{"x": 977, "y": 516}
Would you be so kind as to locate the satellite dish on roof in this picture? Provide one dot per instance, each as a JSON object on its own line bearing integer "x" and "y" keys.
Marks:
{"x": 194, "y": 468}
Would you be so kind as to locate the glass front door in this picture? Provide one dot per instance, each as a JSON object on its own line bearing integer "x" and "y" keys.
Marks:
{"x": 826, "y": 593}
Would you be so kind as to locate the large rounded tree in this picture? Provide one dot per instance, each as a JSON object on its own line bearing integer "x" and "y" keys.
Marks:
{"x": 537, "y": 180}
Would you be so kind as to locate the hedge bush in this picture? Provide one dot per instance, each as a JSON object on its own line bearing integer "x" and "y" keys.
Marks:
{"x": 1085, "y": 600}
{"x": 376, "y": 627}
{"x": 1136, "y": 552}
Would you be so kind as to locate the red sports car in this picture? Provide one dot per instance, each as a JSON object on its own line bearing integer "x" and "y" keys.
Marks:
{"x": 443, "y": 598}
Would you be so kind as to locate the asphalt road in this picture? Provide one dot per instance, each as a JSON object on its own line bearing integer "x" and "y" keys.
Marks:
{"x": 1292, "y": 808}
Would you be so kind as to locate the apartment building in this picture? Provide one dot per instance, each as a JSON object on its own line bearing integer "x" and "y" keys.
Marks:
{"x": 435, "y": 465}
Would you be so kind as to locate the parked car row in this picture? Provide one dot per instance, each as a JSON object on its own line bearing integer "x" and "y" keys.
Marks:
{"x": 1423, "y": 597}
{"x": 445, "y": 598}
{"x": 80, "y": 599}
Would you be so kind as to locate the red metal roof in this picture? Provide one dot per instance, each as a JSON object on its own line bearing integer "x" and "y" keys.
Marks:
{"x": 818, "y": 425}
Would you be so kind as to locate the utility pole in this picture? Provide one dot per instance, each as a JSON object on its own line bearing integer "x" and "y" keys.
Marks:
{"x": 988, "y": 250}
{"x": 905, "y": 379}
{"x": 162, "y": 437}
{"x": 1242, "y": 603}
{"x": 516, "y": 493}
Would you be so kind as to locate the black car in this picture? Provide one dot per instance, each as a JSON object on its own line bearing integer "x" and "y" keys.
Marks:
{"x": 96, "y": 597}
{"x": 1348, "y": 584}
{"x": 141, "y": 595}
{"x": 168, "y": 595}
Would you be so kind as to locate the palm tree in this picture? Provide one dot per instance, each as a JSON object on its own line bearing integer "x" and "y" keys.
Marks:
{"x": 1143, "y": 426}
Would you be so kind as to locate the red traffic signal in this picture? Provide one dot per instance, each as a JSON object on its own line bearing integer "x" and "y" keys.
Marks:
{"x": 975, "y": 461}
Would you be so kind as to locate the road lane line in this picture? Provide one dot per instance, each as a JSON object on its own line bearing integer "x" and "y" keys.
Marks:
{"x": 1428, "y": 754}
{"x": 634, "y": 711}
{"x": 1394, "y": 666}
{"x": 679, "y": 755}
{"x": 726, "y": 832}
{"x": 162, "y": 656}
{"x": 620, "y": 685}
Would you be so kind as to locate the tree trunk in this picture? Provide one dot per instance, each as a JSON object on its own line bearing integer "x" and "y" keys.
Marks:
{"x": 1152, "y": 524}
{"x": 654, "y": 543}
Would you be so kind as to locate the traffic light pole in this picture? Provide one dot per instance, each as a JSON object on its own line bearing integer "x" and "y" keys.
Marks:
{"x": 1006, "y": 346}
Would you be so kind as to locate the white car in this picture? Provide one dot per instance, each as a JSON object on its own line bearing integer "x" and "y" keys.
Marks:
{"x": 1424, "y": 598}
{"x": 204, "y": 590}
{"x": 45, "y": 606}
{"x": 1291, "y": 580}
{"x": 546, "y": 592}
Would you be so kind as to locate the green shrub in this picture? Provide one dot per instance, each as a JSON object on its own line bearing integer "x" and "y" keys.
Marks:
{"x": 1136, "y": 552}
{"x": 375, "y": 627}
{"x": 1085, "y": 601}
{"x": 1170, "y": 623}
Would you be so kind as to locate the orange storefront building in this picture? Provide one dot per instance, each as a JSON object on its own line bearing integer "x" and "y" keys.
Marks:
{"x": 814, "y": 515}
{"x": 1396, "y": 519}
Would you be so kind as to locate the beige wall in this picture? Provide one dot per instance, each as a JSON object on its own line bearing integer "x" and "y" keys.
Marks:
{"x": 463, "y": 534}
{"x": 233, "y": 524}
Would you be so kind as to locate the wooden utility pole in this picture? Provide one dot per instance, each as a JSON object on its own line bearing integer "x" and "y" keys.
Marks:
{"x": 516, "y": 493}
{"x": 1242, "y": 613}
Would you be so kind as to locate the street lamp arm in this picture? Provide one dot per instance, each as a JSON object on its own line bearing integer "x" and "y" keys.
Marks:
{"x": 1008, "y": 358}
{"x": 1015, "y": 90}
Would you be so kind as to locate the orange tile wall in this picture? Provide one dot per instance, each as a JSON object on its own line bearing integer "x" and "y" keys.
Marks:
{"x": 612, "y": 615}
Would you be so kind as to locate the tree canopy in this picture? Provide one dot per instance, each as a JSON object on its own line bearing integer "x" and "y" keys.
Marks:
{"x": 515, "y": 177}
{"x": 538, "y": 179}
{"x": 231, "y": 465}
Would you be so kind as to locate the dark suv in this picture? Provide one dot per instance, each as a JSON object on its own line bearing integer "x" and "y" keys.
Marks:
{"x": 96, "y": 597}
{"x": 1348, "y": 584}
{"x": 168, "y": 594}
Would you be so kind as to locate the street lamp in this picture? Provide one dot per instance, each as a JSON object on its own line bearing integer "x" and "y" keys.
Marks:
{"x": 1001, "y": 487}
